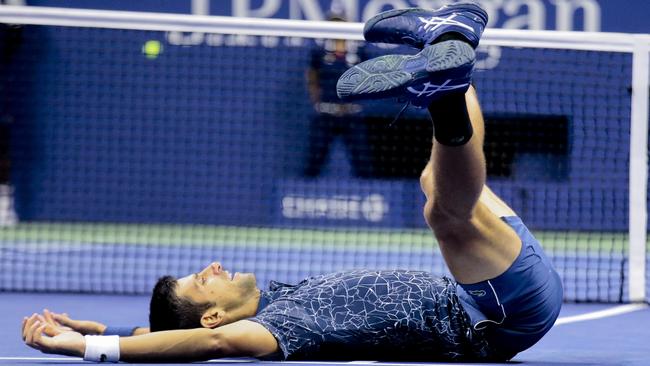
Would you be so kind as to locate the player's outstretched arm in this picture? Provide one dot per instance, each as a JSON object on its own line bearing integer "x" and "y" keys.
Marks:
{"x": 61, "y": 322}
{"x": 240, "y": 339}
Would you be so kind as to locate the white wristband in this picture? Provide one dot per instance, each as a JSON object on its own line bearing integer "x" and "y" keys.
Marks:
{"x": 102, "y": 348}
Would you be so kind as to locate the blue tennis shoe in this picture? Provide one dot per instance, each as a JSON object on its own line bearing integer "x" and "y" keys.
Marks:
{"x": 438, "y": 70}
{"x": 418, "y": 27}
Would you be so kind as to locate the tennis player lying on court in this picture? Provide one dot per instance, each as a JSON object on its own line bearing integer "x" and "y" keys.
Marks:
{"x": 505, "y": 295}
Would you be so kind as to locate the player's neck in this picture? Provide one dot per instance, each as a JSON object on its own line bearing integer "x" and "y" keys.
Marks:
{"x": 247, "y": 309}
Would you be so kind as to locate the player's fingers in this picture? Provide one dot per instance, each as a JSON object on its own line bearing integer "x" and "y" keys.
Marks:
{"x": 29, "y": 339}
{"x": 62, "y": 319}
{"x": 51, "y": 330}
{"x": 40, "y": 318}
{"x": 48, "y": 317}
{"x": 27, "y": 323}
{"x": 37, "y": 338}
{"x": 22, "y": 327}
{"x": 54, "y": 327}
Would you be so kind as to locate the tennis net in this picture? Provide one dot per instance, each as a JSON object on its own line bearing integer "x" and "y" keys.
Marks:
{"x": 137, "y": 145}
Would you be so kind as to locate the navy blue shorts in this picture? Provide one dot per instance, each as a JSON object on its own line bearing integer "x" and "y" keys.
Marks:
{"x": 515, "y": 309}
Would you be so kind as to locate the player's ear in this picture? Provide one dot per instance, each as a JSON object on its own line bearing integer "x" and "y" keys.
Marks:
{"x": 212, "y": 317}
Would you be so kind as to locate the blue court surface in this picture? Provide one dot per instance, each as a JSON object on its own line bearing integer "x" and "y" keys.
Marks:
{"x": 585, "y": 334}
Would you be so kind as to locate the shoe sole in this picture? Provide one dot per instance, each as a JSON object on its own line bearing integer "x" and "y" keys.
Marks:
{"x": 463, "y": 6}
{"x": 391, "y": 75}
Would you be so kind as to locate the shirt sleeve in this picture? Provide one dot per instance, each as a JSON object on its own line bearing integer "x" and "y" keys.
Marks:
{"x": 292, "y": 326}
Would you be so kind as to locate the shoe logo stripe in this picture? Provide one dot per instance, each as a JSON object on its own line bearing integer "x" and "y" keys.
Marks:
{"x": 429, "y": 89}
{"x": 434, "y": 23}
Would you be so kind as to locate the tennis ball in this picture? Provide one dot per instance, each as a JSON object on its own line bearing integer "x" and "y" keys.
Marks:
{"x": 152, "y": 49}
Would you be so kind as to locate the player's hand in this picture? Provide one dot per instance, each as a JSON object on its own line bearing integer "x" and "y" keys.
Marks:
{"x": 66, "y": 343}
{"x": 61, "y": 322}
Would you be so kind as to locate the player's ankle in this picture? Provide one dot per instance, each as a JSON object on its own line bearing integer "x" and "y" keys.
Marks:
{"x": 451, "y": 122}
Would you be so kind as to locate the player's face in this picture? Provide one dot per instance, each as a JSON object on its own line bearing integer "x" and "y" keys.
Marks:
{"x": 215, "y": 284}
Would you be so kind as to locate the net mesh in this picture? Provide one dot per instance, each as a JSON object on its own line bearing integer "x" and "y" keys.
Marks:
{"x": 127, "y": 156}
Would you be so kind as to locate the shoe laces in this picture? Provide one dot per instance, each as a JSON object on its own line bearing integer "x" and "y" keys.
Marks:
{"x": 400, "y": 113}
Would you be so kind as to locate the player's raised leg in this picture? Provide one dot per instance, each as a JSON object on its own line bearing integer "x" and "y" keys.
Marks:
{"x": 507, "y": 285}
{"x": 462, "y": 212}
{"x": 476, "y": 244}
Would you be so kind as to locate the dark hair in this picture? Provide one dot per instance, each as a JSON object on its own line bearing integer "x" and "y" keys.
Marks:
{"x": 168, "y": 311}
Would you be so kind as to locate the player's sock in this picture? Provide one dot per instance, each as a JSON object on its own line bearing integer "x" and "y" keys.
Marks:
{"x": 451, "y": 123}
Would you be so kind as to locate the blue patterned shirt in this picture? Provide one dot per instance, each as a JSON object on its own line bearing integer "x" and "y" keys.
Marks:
{"x": 363, "y": 314}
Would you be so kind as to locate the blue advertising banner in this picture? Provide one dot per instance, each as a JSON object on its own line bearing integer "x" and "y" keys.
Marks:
{"x": 358, "y": 203}
{"x": 565, "y": 15}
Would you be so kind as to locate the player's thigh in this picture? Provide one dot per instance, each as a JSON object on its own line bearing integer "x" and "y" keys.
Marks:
{"x": 477, "y": 249}
{"x": 495, "y": 204}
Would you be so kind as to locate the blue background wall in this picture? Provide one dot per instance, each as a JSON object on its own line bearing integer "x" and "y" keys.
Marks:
{"x": 216, "y": 135}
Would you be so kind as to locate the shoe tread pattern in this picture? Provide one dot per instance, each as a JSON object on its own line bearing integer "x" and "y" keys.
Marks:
{"x": 453, "y": 54}
{"x": 391, "y": 75}
{"x": 373, "y": 76}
